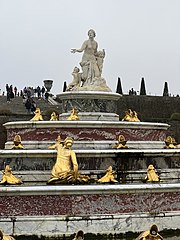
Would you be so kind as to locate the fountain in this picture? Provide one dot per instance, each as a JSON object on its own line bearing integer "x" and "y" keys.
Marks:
{"x": 126, "y": 205}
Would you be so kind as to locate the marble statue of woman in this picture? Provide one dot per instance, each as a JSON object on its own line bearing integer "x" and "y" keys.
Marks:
{"x": 92, "y": 64}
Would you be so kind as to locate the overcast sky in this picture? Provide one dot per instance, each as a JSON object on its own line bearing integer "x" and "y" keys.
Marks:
{"x": 141, "y": 39}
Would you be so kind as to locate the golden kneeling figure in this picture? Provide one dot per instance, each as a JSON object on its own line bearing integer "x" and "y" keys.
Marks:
{"x": 169, "y": 143}
{"x": 151, "y": 234}
{"x": 54, "y": 116}
{"x": 9, "y": 178}
{"x": 151, "y": 175}
{"x": 74, "y": 115}
{"x": 108, "y": 177}
{"x": 121, "y": 143}
{"x": 37, "y": 116}
{"x": 17, "y": 142}
{"x": 79, "y": 235}
{"x": 130, "y": 116}
{"x": 5, "y": 237}
{"x": 65, "y": 169}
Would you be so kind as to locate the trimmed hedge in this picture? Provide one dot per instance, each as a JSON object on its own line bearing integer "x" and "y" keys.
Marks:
{"x": 6, "y": 112}
{"x": 175, "y": 117}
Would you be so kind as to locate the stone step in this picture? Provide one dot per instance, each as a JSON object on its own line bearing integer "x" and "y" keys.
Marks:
{"x": 17, "y": 106}
{"x": 41, "y": 177}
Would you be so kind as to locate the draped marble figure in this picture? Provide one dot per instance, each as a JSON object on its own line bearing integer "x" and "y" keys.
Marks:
{"x": 92, "y": 65}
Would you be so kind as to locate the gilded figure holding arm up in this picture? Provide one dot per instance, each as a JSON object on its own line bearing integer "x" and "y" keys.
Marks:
{"x": 65, "y": 169}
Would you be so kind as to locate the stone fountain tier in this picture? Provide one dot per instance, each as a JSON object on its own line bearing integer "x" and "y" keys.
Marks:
{"x": 92, "y": 116}
{"x": 34, "y": 166}
{"x": 86, "y": 134}
{"x": 97, "y": 105}
{"x": 98, "y": 209}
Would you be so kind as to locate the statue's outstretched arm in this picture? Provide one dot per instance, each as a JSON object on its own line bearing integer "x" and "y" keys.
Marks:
{"x": 74, "y": 50}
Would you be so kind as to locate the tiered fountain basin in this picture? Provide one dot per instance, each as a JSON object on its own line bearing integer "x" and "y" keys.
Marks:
{"x": 129, "y": 205}
{"x": 89, "y": 101}
{"x": 87, "y": 134}
{"x": 34, "y": 166}
{"x": 101, "y": 209}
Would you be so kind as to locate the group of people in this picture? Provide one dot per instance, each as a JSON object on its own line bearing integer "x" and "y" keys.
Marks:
{"x": 11, "y": 92}
{"x": 30, "y": 104}
{"x": 28, "y": 95}
{"x": 34, "y": 92}
{"x": 132, "y": 92}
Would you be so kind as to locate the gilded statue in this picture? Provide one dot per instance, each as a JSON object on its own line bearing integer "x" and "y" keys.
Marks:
{"x": 5, "y": 237}
{"x": 135, "y": 117}
{"x": 65, "y": 169}
{"x": 17, "y": 142}
{"x": 151, "y": 234}
{"x": 108, "y": 177}
{"x": 37, "y": 115}
{"x": 8, "y": 177}
{"x": 121, "y": 142}
{"x": 170, "y": 143}
{"x": 74, "y": 115}
{"x": 175, "y": 143}
{"x": 59, "y": 142}
{"x": 178, "y": 146}
{"x": 131, "y": 116}
{"x": 54, "y": 116}
{"x": 128, "y": 116}
{"x": 79, "y": 235}
{"x": 151, "y": 175}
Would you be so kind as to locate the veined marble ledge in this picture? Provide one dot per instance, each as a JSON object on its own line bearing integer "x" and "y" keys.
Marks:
{"x": 89, "y": 189}
{"x": 89, "y": 152}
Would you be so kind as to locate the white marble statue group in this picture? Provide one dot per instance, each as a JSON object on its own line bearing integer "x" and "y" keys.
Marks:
{"x": 91, "y": 64}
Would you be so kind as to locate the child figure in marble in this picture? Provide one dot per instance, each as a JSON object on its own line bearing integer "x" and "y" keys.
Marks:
{"x": 76, "y": 82}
